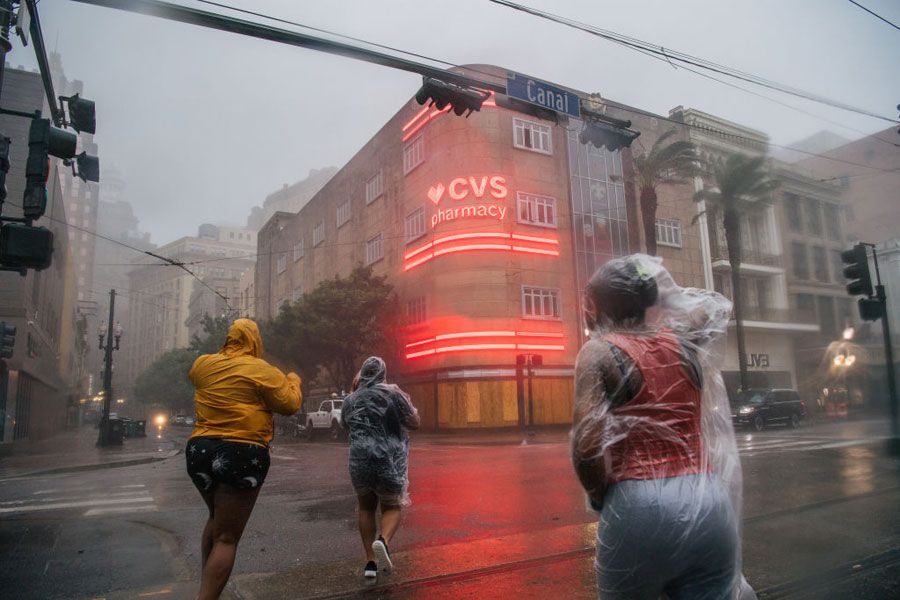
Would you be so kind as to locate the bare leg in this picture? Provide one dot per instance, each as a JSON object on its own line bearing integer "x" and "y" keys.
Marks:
{"x": 232, "y": 510}
{"x": 368, "y": 505}
{"x": 206, "y": 540}
{"x": 390, "y": 520}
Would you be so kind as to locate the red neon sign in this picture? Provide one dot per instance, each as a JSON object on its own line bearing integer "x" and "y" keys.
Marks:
{"x": 504, "y": 340}
{"x": 497, "y": 240}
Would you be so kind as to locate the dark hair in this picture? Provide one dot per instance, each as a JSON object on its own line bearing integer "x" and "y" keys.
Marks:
{"x": 620, "y": 291}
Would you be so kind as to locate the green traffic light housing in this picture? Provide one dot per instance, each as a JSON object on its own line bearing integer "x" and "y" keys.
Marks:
{"x": 88, "y": 167}
{"x": 82, "y": 114}
{"x": 613, "y": 135}
{"x": 856, "y": 271}
{"x": 25, "y": 246}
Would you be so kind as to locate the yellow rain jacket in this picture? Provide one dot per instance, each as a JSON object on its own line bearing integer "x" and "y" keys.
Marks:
{"x": 237, "y": 391}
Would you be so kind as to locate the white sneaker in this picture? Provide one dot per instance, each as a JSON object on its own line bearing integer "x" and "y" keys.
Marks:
{"x": 379, "y": 547}
{"x": 371, "y": 570}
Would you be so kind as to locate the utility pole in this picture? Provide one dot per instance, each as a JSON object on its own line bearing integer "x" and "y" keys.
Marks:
{"x": 105, "y": 439}
{"x": 894, "y": 442}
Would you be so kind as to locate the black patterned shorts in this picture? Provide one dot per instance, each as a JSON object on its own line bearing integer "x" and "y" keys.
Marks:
{"x": 213, "y": 460}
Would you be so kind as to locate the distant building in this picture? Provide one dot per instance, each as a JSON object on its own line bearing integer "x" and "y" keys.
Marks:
{"x": 868, "y": 170}
{"x": 159, "y": 295}
{"x": 769, "y": 322}
{"x": 290, "y": 198}
{"x": 248, "y": 293}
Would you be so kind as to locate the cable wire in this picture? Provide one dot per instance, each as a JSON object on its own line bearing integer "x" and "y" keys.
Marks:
{"x": 874, "y": 14}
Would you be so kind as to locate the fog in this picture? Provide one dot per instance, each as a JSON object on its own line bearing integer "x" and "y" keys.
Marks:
{"x": 203, "y": 124}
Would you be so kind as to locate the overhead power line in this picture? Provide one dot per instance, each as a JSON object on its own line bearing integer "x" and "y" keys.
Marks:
{"x": 874, "y": 14}
{"x": 681, "y": 57}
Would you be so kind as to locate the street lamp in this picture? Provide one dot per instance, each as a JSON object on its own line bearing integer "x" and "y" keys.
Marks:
{"x": 848, "y": 334}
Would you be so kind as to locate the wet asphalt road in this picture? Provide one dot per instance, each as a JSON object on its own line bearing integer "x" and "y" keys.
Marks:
{"x": 487, "y": 521}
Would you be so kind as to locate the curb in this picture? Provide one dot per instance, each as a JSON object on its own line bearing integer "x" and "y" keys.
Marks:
{"x": 96, "y": 466}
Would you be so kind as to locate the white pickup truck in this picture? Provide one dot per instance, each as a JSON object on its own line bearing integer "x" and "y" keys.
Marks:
{"x": 327, "y": 418}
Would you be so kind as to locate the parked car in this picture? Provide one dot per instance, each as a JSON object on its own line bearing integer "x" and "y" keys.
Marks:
{"x": 179, "y": 420}
{"x": 327, "y": 418}
{"x": 758, "y": 408}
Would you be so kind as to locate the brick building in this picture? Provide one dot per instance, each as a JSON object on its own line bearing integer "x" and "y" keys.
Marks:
{"x": 488, "y": 228}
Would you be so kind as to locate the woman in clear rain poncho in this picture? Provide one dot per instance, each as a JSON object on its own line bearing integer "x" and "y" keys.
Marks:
{"x": 377, "y": 416}
{"x": 652, "y": 439}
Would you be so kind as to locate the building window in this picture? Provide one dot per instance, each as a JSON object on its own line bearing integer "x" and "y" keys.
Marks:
{"x": 413, "y": 153}
{"x": 806, "y": 306}
{"x": 343, "y": 212}
{"x": 813, "y": 216}
{"x": 536, "y": 210}
{"x": 231, "y": 235}
{"x": 297, "y": 294}
{"x": 792, "y": 211}
{"x": 827, "y": 322}
{"x": 375, "y": 187}
{"x": 415, "y": 310}
{"x": 668, "y": 232}
{"x": 415, "y": 224}
{"x": 531, "y": 136}
{"x": 837, "y": 265}
{"x": 319, "y": 233}
{"x": 281, "y": 264}
{"x": 820, "y": 263}
{"x": 832, "y": 222}
{"x": 540, "y": 303}
{"x": 374, "y": 249}
{"x": 298, "y": 250}
{"x": 798, "y": 256}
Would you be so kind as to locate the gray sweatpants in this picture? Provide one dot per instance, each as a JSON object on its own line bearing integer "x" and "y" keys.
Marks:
{"x": 677, "y": 536}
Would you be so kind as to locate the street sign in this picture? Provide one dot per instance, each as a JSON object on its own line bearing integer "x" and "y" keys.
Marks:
{"x": 543, "y": 94}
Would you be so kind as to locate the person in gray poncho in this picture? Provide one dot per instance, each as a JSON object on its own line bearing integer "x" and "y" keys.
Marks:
{"x": 377, "y": 416}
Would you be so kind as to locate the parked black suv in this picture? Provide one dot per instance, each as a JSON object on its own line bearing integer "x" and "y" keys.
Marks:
{"x": 758, "y": 408}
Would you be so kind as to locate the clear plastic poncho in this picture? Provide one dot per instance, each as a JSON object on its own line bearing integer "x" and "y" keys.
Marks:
{"x": 652, "y": 440}
{"x": 377, "y": 416}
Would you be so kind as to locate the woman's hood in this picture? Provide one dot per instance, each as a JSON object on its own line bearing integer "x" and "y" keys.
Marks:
{"x": 243, "y": 338}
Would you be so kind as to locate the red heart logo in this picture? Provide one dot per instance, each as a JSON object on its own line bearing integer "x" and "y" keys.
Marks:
{"x": 436, "y": 192}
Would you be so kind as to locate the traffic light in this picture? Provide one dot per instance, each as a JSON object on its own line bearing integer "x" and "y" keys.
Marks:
{"x": 45, "y": 141}
{"x": 82, "y": 114}
{"x": 7, "y": 339}
{"x": 856, "y": 270}
{"x": 25, "y": 246}
{"x": 613, "y": 136}
{"x": 461, "y": 99}
{"x": 871, "y": 309}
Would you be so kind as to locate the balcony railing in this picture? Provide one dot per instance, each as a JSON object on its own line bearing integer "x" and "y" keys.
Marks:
{"x": 754, "y": 257}
{"x": 779, "y": 315}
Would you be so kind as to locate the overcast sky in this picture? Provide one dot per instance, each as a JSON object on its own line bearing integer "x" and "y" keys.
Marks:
{"x": 204, "y": 124}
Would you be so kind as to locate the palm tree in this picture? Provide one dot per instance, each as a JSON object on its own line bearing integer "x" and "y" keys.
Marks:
{"x": 741, "y": 185}
{"x": 666, "y": 162}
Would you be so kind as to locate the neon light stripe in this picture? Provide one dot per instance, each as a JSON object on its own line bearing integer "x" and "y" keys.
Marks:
{"x": 418, "y": 250}
{"x": 536, "y": 334}
{"x": 416, "y": 118}
{"x": 415, "y": 129}
{"x": 428, "y": 341}
{"x": 452, "y": 336}
{"x": 469, "y": 247}
{"x": 415, "y": 264}
{"x": 527, "y": 250}
{"x": 465, "y": 348}
{"x": 477, "y": 235}
{"x": 539, "y": 347}
{"x": 531, "y": 238}
{"x": 418, "y": 354}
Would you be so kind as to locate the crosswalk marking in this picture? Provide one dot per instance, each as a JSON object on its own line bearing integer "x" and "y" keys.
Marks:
{"x": 82, "y": 503}
{"x": 124, "y": 498}
{"x": 118, "y": 510}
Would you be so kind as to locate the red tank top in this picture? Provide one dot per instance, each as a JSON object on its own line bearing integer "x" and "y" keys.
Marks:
{"x": 660, "y": 426}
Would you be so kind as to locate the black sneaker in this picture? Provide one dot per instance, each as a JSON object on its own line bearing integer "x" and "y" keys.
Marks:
{"x": 379, "y": 547}
{"x": 371, "y": 570}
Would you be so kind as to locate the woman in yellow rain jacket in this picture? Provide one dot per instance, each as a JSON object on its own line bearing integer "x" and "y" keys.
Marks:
{"x": 228, "y": 452}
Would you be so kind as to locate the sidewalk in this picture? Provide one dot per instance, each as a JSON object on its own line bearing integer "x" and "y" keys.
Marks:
{"x": 76, "y": 450}
{"x": 507, "y": 436}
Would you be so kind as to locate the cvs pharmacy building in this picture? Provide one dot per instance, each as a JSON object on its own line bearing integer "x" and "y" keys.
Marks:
{"x": 488, "y": 228}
